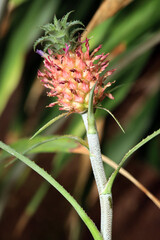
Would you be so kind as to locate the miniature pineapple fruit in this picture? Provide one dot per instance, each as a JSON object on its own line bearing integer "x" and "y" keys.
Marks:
{"x": 69, "y": 71}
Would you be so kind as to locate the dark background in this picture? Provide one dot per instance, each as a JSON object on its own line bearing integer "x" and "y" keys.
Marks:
{"x": 29, "y": 208}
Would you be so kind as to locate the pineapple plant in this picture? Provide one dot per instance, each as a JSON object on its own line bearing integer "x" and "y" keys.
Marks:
{"x": 77, "y": 79}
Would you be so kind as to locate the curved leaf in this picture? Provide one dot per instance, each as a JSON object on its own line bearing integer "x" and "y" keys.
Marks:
{"x": 48, "y": 124}
{"x": 42, "y": 145}
{"x": 105, "y": 109}
{"x": 20, "y": 41}
{"x": 127, "y": 155}
{"x": 78, "y": 139}
{"x": 89, "y": 223}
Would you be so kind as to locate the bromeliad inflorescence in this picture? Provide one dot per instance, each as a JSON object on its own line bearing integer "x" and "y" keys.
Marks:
{"x": 69, "y": 72}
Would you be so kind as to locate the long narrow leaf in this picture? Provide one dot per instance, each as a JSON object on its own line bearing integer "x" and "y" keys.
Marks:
{"x": 19, "y": 42}
{"x": 105, "y": 109}
{"x": 91, "y": 119}
{"x": 33, "y": 148}
{"x": 89, "y": 223}
{"x": 127, "y": 155}
{"x": 77, "y": 139}
{"x": 48, "y": 124}
{"x": 133, "y": 180}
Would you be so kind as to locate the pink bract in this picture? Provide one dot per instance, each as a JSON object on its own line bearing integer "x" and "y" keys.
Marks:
{"x": 71, "y": 76}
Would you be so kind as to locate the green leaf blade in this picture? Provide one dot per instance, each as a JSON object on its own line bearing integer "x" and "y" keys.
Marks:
{"x": 127, "y": 155}
{"x": 105, "y": 109}
{"x": 89, "y": 223}
{"x": 91, "y": 118}
{"x": 47, "y": 144}
{"x": 48, "y": 124}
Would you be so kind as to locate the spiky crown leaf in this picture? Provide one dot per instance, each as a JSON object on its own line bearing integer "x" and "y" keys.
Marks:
{"x": 60, "y": 33}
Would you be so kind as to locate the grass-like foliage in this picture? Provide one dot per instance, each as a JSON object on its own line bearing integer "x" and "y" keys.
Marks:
{"x": 91, "y": 226}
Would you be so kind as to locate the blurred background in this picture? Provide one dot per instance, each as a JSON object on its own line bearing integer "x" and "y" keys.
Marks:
{"x": 29, "y": 207}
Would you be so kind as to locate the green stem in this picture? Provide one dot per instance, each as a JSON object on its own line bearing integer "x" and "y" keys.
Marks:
{"x": 100, "y": 178}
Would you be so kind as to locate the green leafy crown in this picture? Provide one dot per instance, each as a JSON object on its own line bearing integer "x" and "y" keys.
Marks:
{"x": 60, "y": 33}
